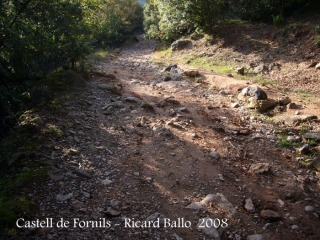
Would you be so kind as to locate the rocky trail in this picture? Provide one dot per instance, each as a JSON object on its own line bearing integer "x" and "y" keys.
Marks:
{"x": 137, "y": 148}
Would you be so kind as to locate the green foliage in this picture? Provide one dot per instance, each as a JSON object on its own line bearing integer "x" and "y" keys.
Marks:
{"x": 171, "y": 19}
{"x": 167, "y": 20}
{"x": 38, "y": 37}
{"x": 111, "y": 21}
{"x": 151, "y": 19}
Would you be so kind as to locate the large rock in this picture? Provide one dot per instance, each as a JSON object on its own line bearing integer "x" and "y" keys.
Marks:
{"x": 180, "y": 44}
{"x": 217, "y": 201}
{"x": 253, "y": 92}
{"x": 262, "y": 105}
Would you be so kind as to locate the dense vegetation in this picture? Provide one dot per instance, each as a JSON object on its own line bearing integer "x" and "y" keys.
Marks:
{"x": 38, "y": 37}
{"x": 170, "y": 19}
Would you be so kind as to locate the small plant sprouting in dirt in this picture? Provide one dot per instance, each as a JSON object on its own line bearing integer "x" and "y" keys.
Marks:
{"x": 285, "y": 143}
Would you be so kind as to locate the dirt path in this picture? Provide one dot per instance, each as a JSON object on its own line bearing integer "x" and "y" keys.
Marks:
{"x": 138, "y": 148}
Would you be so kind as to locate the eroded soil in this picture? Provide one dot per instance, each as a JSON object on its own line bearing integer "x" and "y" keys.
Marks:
{"x": 162, "y": 146}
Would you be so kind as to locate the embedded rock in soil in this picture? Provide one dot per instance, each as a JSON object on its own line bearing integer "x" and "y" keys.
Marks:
{"x": 62, "y": 198}
{"x": 270, "y": 215}
{"x": 249, "y": 206}
{"x": 309, "y": 209}
{"x": 259, "y": 168}
{"x": 210, "y": 230}
{"x": 217, "y": 201}
{"x": 220, "y": 202}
